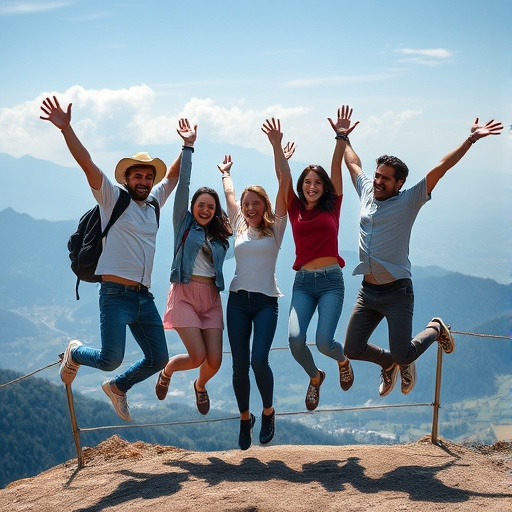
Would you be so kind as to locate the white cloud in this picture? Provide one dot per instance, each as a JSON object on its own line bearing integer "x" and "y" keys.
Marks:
{"x": 107, "y": 120}
{"x": 15, "y": 8}
{"x": 387, "y": 124}
{"x": 428, "y": 57}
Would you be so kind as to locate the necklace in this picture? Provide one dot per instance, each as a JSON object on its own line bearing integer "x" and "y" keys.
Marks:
{"x": 254, "y": 233}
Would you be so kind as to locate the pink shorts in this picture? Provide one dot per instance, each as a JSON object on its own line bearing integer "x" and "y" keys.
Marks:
{"x": 193, "y": 304}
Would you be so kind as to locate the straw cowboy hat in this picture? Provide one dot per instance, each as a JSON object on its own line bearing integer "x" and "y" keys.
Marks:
{"x": 140, "y": 159}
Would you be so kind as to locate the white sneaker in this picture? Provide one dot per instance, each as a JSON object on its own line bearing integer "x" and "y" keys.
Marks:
{"x": 408, "y": 376}
{"x": 68, "y": 367}
{"x": 118, "y": 401}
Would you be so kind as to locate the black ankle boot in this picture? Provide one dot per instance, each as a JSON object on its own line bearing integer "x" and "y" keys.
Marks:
{"x": 268, "y": 427}
{"x": 245, "y": 437}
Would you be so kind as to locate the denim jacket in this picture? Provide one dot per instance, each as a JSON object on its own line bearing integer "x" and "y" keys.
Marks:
{"x": 185, "y": 253}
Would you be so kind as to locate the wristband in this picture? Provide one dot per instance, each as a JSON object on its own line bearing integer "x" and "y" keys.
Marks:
{"x": 470, "y": 140}
{"x": 187, "y": 147}
{"x": 226, "y": 175}
{"x": 341, "y": 136}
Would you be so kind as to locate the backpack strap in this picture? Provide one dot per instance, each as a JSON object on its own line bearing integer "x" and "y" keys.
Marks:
{"x": 121, "y": 204}
{"x": 152, "y": 200}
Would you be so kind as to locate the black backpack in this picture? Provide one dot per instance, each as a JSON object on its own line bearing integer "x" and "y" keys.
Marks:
{"x": 86, "y": 243}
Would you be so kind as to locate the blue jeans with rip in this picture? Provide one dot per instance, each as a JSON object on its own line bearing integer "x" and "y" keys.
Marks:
{"x": 395, "y": 302}
{"x": 245, "y": 311}
{"x": 322, "y": 289}
{"x": 121, "y": 306}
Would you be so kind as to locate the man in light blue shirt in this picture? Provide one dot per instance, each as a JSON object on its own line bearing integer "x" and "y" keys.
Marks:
{"x": 386, "y": 220}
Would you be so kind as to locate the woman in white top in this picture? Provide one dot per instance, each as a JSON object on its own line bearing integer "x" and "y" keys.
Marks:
{"x": 253, "y": 294}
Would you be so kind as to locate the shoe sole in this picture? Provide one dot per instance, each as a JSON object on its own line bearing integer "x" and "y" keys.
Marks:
{"x": 202, "y": 407}
{"x": 273, "y": 420}
{"x": 312, "y": 407}
{"x": 413, "y": 380}
{"x": 162, "y": 389}
{"x": 108, "y": 391}
{"x": 393, "y": 382}
{"x": 446, "y": 331}
{"x": 66, "y": 358}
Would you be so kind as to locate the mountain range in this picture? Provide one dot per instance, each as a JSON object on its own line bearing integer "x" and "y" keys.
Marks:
{"x": 39, "y": 314}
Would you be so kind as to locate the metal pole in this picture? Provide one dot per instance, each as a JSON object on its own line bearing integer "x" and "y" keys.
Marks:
{"x": 74, "y": 426}
{"x": 437, "y": 395}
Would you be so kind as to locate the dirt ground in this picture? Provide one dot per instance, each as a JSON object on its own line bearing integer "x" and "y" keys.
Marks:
{"x": 121, "y": 476}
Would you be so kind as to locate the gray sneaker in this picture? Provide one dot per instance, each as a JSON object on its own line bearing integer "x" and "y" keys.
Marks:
{"x": 118, "y": 401}
{"x": 408, "y": 376}
{"x": 388, "y": 379}
{"x": 68, "y": 367}
{"x": 445, "y": 338}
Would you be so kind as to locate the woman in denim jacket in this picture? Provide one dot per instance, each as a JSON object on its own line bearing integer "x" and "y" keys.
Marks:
{"x": 194, "y": 307}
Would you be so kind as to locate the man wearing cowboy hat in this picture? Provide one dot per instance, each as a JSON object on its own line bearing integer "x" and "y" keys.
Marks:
{"x": 125, "y": 265}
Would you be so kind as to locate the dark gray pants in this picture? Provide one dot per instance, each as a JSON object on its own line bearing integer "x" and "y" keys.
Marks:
{"x": 394, "y": 302}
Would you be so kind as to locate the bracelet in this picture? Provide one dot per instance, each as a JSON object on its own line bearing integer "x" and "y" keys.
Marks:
{"x": 188, "y": 147}
{"x": 470, "y": 140}
{"x": 226, "y": 175}
{"x": 341, "y": 136}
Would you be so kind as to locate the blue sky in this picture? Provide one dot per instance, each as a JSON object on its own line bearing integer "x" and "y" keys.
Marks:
{"x": 416, "y": 73}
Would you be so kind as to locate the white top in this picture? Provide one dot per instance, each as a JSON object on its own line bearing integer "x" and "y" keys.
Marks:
{"x": 256, "y": 258}
{"x": 129, "y": 247}
{"x": 203, "y": 264}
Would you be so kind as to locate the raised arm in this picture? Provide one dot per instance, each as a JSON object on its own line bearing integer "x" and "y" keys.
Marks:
{"x": 227, "y": 184}
{"x": 181, "y": 197}
{"x": 353, "y": 163}
{"x": 62, "y": 120}
{"x": 342, "y": 129}
{"x": 272, "y": 128}
{"x": 452, "y": 158}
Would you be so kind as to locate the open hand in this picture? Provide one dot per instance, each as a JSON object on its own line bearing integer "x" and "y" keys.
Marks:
{"x": 342, "y": 125}
{"x": 55, "y": 114}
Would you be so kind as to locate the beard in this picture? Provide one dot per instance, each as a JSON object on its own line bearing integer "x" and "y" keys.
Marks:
{"x": 138, "y": 193}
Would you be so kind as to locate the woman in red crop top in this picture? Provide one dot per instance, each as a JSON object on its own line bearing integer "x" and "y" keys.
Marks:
{"x": 314, "y": 213}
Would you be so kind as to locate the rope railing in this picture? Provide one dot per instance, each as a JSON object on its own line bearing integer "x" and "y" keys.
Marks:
{"x": 435, "y": 404}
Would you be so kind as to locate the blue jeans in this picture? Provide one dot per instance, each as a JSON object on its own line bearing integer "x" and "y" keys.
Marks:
{"x": 121, "y": 306}
{"x": 395, "y": 302}
{"x": 323, "y": 289}
{"x": 245, "y": 310}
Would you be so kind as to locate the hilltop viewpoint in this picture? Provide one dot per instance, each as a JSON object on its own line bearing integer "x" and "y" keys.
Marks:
{"x": 130, "y": 477}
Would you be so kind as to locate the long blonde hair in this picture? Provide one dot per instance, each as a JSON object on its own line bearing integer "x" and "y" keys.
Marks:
{"x": 268, "y": 215}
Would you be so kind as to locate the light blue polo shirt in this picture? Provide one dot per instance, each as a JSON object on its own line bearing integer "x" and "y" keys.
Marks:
{"x": 385, "y": 229}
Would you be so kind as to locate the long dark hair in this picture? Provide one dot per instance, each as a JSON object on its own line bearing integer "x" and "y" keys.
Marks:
{"x": 328, "y": 199}
{"x": 218, "y": 228}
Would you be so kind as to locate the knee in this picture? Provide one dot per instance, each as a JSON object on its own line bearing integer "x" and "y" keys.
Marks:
{"x": 296, "y": 342}
{"x": 259, "y": 364}
{"x": 109, "y": 365}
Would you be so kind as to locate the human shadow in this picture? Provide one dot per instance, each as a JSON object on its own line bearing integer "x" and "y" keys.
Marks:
{"x": 140, "y": 485}
{"x": 421, "y": 483}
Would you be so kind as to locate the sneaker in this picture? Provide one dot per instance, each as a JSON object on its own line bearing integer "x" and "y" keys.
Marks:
{"x": 268, "y": 427}
{"x": 346, "y": 374}
{"x": 202, "y": 400}
{"x": 162, "y": 385}
{"x": 408, "y": 376}
{"x": 313, "y": 393}
{"x": 245, "y": 436}
{"x": 118, "y": 401}
{"x": 68, "y": 367}
{"x": 445, "y": 338}
{"x": 388, "y": 380}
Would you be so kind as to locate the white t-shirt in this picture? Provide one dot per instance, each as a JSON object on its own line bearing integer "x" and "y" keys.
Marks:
{"x": 256, "y": 258}
{"x": 129, "y": 247}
